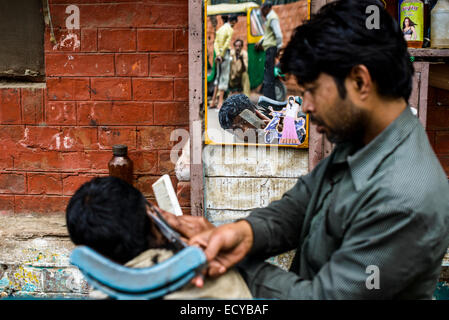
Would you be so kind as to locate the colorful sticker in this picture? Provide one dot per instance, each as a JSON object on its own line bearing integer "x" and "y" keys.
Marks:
{"x": 412, "y": 21}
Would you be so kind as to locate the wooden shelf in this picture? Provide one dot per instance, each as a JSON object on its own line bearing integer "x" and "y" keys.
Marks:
{"x": 429, "y": 54}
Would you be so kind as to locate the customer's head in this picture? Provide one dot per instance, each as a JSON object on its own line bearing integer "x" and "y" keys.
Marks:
{"x": 340, "y": 47}
{"x": 109, "y": 215}
{"x": 231, "y": 108}
{"x": 238, "y": 45}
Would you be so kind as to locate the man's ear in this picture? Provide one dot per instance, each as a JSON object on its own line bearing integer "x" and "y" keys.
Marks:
{"x": 361, "y": 81}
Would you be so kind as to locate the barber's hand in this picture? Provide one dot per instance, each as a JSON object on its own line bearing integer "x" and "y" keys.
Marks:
{"x": 224, "y": 246}
{"x": 187, "y": 225}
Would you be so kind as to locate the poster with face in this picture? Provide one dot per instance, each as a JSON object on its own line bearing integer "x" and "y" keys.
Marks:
{"x": 249, "y": 101}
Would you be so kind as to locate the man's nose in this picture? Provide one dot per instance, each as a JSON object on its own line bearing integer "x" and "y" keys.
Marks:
{"x": 307, "y": 105}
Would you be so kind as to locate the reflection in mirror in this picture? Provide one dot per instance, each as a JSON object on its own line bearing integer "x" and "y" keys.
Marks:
{"x": 249, "y": 100}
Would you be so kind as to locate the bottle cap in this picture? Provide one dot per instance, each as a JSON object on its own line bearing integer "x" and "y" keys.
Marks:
{"x": 120, "y": 150}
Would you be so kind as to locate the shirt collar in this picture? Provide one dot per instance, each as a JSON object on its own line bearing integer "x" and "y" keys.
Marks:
{"x": 363, "y": 162}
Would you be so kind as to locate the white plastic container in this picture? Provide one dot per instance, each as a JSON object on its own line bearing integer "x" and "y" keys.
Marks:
{"x": 439, "y": 25}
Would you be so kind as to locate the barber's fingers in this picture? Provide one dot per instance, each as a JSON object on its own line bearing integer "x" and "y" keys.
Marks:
{"x": 187, "y": 225}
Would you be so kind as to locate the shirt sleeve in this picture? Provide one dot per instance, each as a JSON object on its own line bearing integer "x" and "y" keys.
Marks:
{"x": 227, "y": 41}
{"x": 277, "y": 32}
{"x": 391, "y": 244}
{"x": 245, "y": 60}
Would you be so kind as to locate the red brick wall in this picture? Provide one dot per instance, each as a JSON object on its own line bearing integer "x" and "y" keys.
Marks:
{"x": 438, "y": 124}
{"x": 121, "y": 78}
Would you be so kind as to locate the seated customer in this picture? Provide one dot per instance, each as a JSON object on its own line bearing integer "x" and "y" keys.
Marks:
{"x": 110, "y": 216}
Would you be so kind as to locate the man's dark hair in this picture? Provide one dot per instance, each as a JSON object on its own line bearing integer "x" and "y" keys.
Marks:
{"x": 225, "y": 18}
{"x": 109, "y": 215}
{"x": 232, "y": 107}
{"x": 337, "y": 38}
{"x": 233, "y": 17}
{"x": 266, "y": 4}
{"x": 239, "y": 40}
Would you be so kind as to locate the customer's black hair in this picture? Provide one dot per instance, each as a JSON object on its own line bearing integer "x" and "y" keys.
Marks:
{"x": 337, "y": 38}
{"x": 108, "y": 215}
{"x": 225, "y": 18}
{"x": 232, "y": 107}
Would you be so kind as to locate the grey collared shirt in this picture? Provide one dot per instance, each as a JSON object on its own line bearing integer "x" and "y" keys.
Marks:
{"x": 366, "y": 223}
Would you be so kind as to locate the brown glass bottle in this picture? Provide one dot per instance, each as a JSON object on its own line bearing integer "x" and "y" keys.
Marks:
{"x": 392, "y": 7}
{"x": 120, "y": 165}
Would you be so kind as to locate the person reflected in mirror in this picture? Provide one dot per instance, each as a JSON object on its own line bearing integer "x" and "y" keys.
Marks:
{"x": 271, "y": 43}
{"x": 230, "y": 117}
{"x": 239, "y": 78}
{"x": 222, "y": 44}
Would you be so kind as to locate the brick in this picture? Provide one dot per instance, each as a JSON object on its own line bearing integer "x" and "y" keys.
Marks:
{"x": 98, "y": 160}
{"x": 165, "y": 164}
{"x": 89, "y": 40}
{"x": 442, "y": 142}
{"x": 44, "y": 183}
{"x": 174, "y": 113}
{"x": 12, "y": 183}
{"x": 116, "y": 113}
{"x": 27, "y": 204}
{"x": 182, "y": 39}
{"x": 183, "y": 193}
{"x": 116, "y": 40}
{"x": 175, "y": 65}
{"x": 79, "y": 139}
{"x": 80, "y": 64}
{"x": 154, "y": 40}
{"x": 6, "y": 205}
{"x": 155, "y": 137}
{"x": 108, "y": 136}
{"x": 111, "y": 88}
{"x": 153, "y": 89}
{"x": 66, "y": 40}
{"x": 60, "y": 113}
{"x": 130, "y": 64}
{"x": 46, "y": 138}
{"x": 72, "y": 182}
{"x": 181, "y": 89}
{"x": 144, "y": 185}
{"x": 10, "y": 106}
{"x": 6, "y": 162}
{"x": 10, "y": 138}
{"x": 68, "y": 89}
{"x": 144, "y": 162}
{"x": 107, "y": 15}
{"x": 52, "y": 161}
{"x": 165, "y": 16}
{"x": 32, "y": 105}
